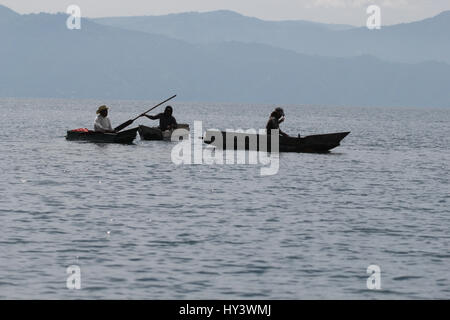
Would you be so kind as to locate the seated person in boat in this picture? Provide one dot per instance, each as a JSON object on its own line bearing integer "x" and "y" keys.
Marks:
{"x": 276, "y": 117}
{"x": 166, "y": 120}
{"x": 102, "y": 122}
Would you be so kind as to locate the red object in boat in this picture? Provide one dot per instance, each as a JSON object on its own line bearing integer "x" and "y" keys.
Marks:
{"x": 80, "y": 130}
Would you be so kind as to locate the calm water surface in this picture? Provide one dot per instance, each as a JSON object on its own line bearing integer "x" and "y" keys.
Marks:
{"x": 140, "y": 227}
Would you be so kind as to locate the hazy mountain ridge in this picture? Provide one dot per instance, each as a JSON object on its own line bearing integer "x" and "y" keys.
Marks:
{"x": 419, "y": 41}
{"x": 40, "y": 57}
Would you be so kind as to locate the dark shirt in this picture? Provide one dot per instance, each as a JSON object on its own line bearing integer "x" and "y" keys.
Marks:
{"x": 165, "y": 121}
{"x": 272, "y": 124}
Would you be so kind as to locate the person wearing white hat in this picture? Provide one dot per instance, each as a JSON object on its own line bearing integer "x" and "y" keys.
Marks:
{"x": 102, "y": 122}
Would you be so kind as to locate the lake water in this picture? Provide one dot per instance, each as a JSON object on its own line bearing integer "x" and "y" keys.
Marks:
{"x": 140, "y": 227}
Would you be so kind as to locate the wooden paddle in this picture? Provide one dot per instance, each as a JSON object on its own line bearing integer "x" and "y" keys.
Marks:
{"x": 126, "y": 124}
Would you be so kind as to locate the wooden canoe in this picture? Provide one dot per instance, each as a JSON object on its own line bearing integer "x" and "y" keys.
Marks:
{"x": 125, "y": 137}
{"x": 320, "y": 143}
{"x": 154, "y": 133}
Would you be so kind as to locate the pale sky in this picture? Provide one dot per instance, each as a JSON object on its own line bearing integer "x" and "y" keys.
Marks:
{"x": 329, "y": 11}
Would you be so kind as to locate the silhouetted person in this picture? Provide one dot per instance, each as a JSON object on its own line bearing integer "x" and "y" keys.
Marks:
{"x": 166, "y": 120}
{"x": 276, "y": 117}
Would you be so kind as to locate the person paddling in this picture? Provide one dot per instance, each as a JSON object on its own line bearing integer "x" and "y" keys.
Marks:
{"x": 276, "y": 117}
{"x": 166, "y": 119}
{"x": 102, "y": 122}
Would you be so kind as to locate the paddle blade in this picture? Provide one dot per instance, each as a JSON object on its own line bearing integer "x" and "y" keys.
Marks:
{"x": 124, "y": 125}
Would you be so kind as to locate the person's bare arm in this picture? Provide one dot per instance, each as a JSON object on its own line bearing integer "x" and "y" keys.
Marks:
{"x": 284, "y": 134}
{"x": 151, "y": 117}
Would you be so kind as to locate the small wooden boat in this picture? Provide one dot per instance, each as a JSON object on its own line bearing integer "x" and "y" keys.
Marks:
{"x": 321, "y": 143}
{"x": 154, "y": 133}
{"x": 125, "y": 137}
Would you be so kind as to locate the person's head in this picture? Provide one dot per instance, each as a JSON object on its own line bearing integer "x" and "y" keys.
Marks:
{"x": 168, "y": 111}
{"x": 279, "y": 112}
{"x": 103, "y": 111}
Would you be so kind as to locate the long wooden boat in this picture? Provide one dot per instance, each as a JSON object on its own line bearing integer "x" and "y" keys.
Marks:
{"x": 154, "y": 133}
{"x": 125, "y": 137}
{"x": 321, "y": 143}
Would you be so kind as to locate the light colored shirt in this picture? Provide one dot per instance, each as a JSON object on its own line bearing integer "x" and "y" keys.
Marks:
{"x": 102, "y": 124}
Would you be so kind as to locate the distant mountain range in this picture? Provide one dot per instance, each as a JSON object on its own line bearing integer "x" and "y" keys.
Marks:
{"x": 40, "y": 57}
{"x": 412, "y": 42}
